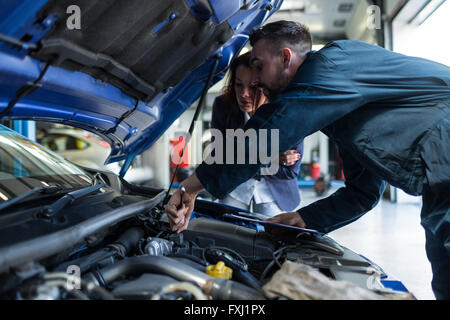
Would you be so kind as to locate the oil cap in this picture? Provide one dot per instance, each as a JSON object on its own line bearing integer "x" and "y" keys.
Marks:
{"x": 219, "y": 270}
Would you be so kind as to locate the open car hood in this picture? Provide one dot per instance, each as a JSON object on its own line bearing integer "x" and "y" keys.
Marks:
{"x": 125, "y": 70}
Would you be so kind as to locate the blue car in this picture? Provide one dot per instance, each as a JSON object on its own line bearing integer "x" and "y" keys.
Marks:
{"x": 126, "y": 70}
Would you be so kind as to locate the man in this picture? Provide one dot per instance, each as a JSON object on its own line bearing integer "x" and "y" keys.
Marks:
{"x": 388, "y": 113}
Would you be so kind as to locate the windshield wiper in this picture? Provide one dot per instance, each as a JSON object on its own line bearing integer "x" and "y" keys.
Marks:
{"x": 32, "y": 192}
{"x": 51, "y": 210}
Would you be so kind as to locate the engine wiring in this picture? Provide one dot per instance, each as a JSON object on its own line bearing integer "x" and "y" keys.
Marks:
{"x": 276, "y": 256}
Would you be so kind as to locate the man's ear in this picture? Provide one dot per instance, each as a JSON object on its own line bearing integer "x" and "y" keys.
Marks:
{"x": 286, "y": 56}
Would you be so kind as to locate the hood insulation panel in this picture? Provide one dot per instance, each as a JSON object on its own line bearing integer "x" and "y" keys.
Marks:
{"x": 139, "y": 46}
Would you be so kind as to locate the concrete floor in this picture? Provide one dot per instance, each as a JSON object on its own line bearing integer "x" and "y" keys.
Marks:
{"x": 391, "y": 236}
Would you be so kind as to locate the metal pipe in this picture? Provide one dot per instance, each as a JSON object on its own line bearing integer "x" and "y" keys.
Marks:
{"x": 220, "y": 289}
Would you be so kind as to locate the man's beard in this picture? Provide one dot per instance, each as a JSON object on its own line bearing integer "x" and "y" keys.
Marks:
{"x": 267, "y": 92}
{"x": 281, "y": 84}
{"x": 271, "y": 94}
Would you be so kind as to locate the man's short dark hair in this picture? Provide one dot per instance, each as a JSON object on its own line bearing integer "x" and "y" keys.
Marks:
{"x": 283, "y": 33}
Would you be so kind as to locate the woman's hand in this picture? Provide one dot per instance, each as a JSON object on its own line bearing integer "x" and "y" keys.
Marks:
{"x": 289, "y": 158}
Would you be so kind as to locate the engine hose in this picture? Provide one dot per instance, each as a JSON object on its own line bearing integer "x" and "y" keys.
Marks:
{"x": 130, "y": 239}
{"x": 247, "y": 278}
{"x": 220, "y": 289}
{"x": 122, "y": 246}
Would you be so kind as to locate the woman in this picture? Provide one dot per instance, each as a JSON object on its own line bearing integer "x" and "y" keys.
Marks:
{"x": 268, "y": 194}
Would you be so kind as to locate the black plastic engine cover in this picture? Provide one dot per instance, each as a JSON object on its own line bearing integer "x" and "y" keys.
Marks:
{"x": 251, "y": 244}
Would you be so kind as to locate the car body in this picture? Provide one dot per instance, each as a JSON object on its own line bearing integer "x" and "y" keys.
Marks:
{"x": 86, "y": 233}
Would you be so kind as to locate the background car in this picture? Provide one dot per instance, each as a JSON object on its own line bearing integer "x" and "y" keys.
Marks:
{"x": 86, "y": 149}
{"x": 80, "y": 147}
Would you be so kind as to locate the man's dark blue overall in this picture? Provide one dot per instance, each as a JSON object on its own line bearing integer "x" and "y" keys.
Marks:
{"x": 389, "y": 114}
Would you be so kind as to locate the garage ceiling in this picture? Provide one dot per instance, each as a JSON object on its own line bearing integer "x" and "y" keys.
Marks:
{"x": 326, "y": 19}
{"x": 333, "y": 19}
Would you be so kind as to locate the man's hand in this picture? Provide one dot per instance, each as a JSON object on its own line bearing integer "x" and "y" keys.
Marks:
{"x": 180, "y": 213}
{"x": 289, "y": 158}
{"x": 179, "y": 216}
{"x": 288, "y": 218}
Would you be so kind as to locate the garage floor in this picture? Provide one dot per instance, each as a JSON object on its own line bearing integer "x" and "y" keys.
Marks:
{"x": 391, "y": 236}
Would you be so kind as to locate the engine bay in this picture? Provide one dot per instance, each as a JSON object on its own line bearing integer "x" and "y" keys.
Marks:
{"x": 129, "y": 252}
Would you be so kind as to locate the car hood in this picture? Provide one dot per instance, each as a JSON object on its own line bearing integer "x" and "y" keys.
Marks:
{"x": 125, "y": 70}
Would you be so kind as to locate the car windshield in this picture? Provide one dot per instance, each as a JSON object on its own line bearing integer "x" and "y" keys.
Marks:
{"x": 25, "y": 165}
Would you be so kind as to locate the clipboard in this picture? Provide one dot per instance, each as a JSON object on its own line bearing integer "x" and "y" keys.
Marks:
{"x": 273, "y": 224}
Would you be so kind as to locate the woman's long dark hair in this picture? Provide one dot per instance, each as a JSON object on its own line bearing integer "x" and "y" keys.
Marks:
{"x": 228, "y": 91}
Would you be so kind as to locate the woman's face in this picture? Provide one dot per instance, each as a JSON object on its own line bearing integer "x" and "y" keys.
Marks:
{"x": 248, "y": 97}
